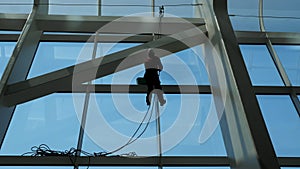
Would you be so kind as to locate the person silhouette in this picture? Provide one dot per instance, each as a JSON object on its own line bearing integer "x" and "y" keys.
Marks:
{"x": 153, "y": 67}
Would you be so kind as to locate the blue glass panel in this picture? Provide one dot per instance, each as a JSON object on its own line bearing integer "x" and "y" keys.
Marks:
{"x": 6, "y": 49}
{"x": 53, "y": 56}
{"x": 122, "y": 8}
{"x": 244, "y": 15}
{"x": 50, "y": 120}
{"x": 282, "y": 16}
{"x": 16, "y": 6}
{"x": 73, "y": 7}
{"x": 244, "y": 23}
{"x": 191, "y": 145}
{"x": 283, "y": 124}
{"x": 290, "y": 59}
{"x": 183, "y": 68}
{"x": 113, "y": 119}
{"x": 260, "y": 65}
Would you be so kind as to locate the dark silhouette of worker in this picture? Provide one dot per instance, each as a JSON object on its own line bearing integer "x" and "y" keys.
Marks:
{"x": 153, "y": 68}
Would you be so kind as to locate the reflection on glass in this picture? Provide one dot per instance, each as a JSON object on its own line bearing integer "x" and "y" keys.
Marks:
{"x": 245, "y": 23}
{"x": 278, "y": 14}
{"x": 114, "y": 118}
{"x": 16, "y": 6}
{"x": 73, "y": 7}
{"x": 260, "y": 65}
{"x": 52, "y": 56}
{"x": 290, "y": 59}
{"x": 6, "y": 50}
{"x": 243, "y": 15}
{"x": 190, "y": 145}
{"x": 283, "y": 124}
{"x": 49, "y": 120}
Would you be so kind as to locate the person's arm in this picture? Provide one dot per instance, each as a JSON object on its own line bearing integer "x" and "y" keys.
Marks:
{"x": 159, "y": 64}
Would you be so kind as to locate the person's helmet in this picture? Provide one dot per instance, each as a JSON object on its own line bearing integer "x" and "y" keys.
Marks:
{"x": 151, "y": 52}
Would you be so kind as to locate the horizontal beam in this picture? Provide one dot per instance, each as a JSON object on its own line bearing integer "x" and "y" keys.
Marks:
{"x": 168, "y": 89}
{"x": 287, "y": 38}
{"x": 283, "y": 90}
{"x": 289, "y": 161}
{"x": 243, "y": 38}
{"x": 111, "y": 161}
{"x": 75, "y": 75}
{"x": 114, "y": 24}
{"x": 14, "y": 22}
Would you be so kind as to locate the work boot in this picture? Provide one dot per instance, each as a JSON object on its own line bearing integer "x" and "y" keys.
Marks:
{"x": 163, "y": 102}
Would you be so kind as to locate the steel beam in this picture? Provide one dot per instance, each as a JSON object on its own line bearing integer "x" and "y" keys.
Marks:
{"x": 55, "y": 81}
{"x": 132, "y": 24}
{"x": 19, "y": 65}
{"x": 111, "y": 161}
{"x": 245, "y": 135}
{"x": 276, "y": 38}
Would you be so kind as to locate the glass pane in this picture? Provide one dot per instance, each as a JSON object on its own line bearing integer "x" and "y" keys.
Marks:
{"x": 53, "y": 56}
{"x": 114, "y": 118}
{"x": 50, "y": 120}
{"x": 283, "y": 124}
{"x": 290, "y": 59}
{"x": 260, "y": 65}
{"x": 278, "y": 14}
{"x": 244, "y": 15}
{"x": 182, "y": 68}
{"x": 16, "y": 6}
{"x": 191, "y": 145}
{"x": 73, "y": 7}
{"x": 122, "y": 8}
{"x": 6, "y": 50}
{"x": 290, "y": 167}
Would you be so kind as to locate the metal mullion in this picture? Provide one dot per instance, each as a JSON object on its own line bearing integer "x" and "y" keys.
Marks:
{"x": 277, "y": 61}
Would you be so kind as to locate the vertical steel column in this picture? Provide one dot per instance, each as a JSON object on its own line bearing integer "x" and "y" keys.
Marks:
{"x": 276, "y": 59}
{"x": 245, "y": 135}
{"x": 20, "y": 62}
{"x": 86, "y": 103}
{"x": 99, "y": 8}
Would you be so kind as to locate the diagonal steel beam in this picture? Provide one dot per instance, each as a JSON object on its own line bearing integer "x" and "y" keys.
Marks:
{"x": 130, "y": 24}
{"x": 19, "y": 64}
{"x": 73, "y": 76}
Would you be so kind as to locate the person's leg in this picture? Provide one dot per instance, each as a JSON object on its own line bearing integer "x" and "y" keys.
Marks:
{"x": 159, "y": 91}
{"x": 149, "y": 90}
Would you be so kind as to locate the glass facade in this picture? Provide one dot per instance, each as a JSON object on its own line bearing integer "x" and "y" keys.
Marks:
{"x": 260, "y": 66}
{"x": 236, "y": 97}
{"x": 6, "y": 51}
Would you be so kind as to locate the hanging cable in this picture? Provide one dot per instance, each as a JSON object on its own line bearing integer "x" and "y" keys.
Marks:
{"x": 132, "y": 139}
